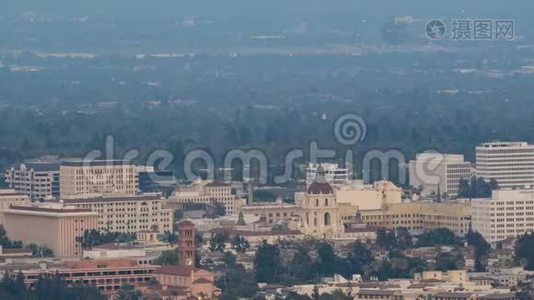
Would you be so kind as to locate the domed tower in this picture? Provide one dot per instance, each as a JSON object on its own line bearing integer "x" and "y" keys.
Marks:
{"x": 320, "y": 210}
{"x": 186, "y": 244}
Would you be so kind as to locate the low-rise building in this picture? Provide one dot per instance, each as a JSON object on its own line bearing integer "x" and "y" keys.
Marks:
{"x": 273, "y": 212}
{"x": 196, "y": 282}
{"x": 365, "y": 197}
{"x": 332, "y": 173}
{"x": 420, "y": 216}
{"x": 209, "y": 192}
{"x": 108, "y": 275}
{"x": 129, "y": 214}
{"x": 9, "y": 197}
{"x": 57, "y": 227}
{"x": 509, "y": 213}
{"x": 438, "y": 172}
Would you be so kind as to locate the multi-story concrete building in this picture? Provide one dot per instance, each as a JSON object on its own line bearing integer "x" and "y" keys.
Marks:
{"x": 39, "y": 179}
{"x": 369, "y": 196}
{"x": 127, "y": 213}
{"x": 152, "y": 180}
{"x": 79, "y": 177}
{"x": 333, "y": 173}
{"x": 209, "y": 192}
{"x": 10, "y": 197}
{"x": 55, "y": 226}
{"x": 511, "y": 164}
{"x": 436, "y": 171}
{"x": 508, "y": 213}
{"x": 420, "y": 216}
{"x": 273, "y": 212}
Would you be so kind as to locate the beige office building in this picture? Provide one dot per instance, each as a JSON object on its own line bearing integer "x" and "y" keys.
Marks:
{"x": 9, "y": 197}
{"x": 55, "y": 226}
{"x": 369, "y": 196}
{"x": 420, "y": 216}
{"x": 437, "y": 171}
{"x": 378, "y": 205}
{"x": 209, "y": 192}
{"x": 79, "y": 177}
{"x": 510, "y": 163}
{"x": 128, "y": 213}
{"x": 507, "y": 214}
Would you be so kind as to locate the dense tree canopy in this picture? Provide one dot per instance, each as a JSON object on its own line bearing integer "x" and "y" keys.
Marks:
{"x": 45, "y": 289}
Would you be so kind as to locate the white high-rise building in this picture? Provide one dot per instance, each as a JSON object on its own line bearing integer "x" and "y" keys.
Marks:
{"x": 508, "y": 213}
{"x": 37, "y": 179}
{"x": 431, "y": 169}
{"x": 510, "y": 163}
{"x": 333, "y": 174}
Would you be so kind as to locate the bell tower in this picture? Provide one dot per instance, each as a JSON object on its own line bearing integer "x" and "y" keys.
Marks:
{"x": 320, "y": 209}
{"x": 186, "y": 244}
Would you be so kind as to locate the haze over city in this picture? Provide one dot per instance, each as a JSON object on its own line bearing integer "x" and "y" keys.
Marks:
{"x": 267, "y": 150}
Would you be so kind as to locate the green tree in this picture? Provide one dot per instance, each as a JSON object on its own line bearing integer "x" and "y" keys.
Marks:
{"x": 449, "y": 261}
{"x": 525, "y": 290}
{"x": 523, "y": 251}
{"x": 5, "y": 242}
{"x": 267, "y": 262}
{"x": 436, "y": 237}
{"x": 128, "y": 292}
{"x": 40, "y": 251}
{"x": 301, "y": 268}
{"x": 229, "y": 259}
{"x": 240, "y": 244}
{"x": 169, "y": 237}
{"x": 482, "y": 249}
{"x": 315, "y": 293}
{"x": 328, "y": 263}
{"x": 386, "y": 239}
{"x": 218, "y": 241}
{"x": 464, "y": 188}
{"x": 217, "y": 211}
{"x": 404, "y": 238}
{"x": 360, "y": 258}
{"x": 237, "y": 283}
{"x": 167, "y": 257}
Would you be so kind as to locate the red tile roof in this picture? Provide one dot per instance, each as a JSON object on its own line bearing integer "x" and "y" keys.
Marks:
{"x": 202, "y": 280}
{"x": 174, "y": 270}
{"x": 101, "y": 264}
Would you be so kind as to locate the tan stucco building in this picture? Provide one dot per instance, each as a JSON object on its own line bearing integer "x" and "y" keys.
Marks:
{"x": 369, "y": 196}
{"x": 54, "y": 226}
{"x": 209, "y": 192}
{"x": 420, "y": 216}
{"x": 10, "y": 197}
{"x": 320, "y": 216}
{"x": 132, "y": 214}
{"x": 78, "y": 177}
